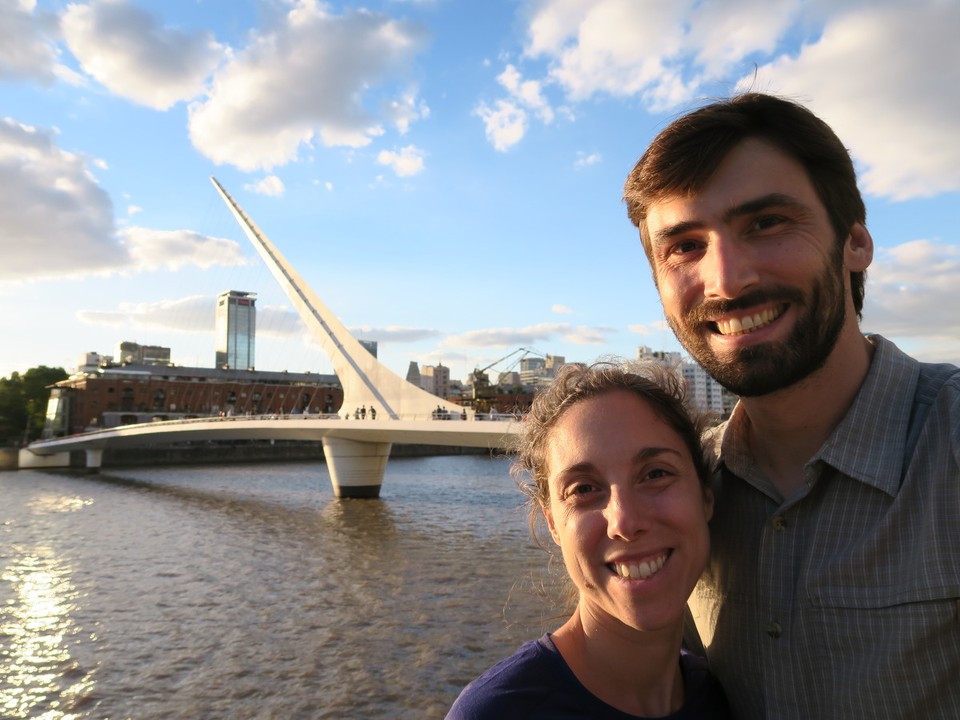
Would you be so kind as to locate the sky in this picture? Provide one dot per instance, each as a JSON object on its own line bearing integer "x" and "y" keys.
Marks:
{"x": 445, "y": 174}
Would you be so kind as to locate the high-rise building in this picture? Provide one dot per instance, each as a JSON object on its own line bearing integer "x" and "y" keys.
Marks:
{"x": 236, "y": 329}
{"x": 413, "y": 373}
{"x": 370, "y": 346}
{"x": 436, "y": 379}
{"x": 705, "y": 392}
{"x": 131, "y": 352}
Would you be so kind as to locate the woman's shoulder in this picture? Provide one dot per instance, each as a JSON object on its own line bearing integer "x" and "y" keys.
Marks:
{"x": 515, "y": 686}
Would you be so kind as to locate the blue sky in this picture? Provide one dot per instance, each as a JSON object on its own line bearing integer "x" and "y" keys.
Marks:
{"x": 446, "y": 174}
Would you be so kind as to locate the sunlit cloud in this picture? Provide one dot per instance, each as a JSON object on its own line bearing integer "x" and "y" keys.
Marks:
{"x": 127, "y": 50}
{"x": 408, "y": 161}
{"x": 271, "y": 185}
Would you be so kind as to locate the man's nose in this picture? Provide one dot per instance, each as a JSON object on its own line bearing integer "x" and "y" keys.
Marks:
{"x": 729, "y": 267}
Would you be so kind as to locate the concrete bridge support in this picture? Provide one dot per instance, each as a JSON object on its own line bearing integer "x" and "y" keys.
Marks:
{"x": 30, "y": 460}
{"x": 356, "y": 468}
{"x": 94, "y": 459}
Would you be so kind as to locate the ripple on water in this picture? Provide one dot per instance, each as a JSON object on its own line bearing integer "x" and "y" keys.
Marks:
{"x": 249, "y": 591}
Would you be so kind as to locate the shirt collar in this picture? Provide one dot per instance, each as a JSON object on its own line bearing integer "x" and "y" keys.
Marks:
{"x": 869, "y": 443}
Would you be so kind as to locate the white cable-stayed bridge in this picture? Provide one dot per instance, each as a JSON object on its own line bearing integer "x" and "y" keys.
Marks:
{"x": 356, "y": 452}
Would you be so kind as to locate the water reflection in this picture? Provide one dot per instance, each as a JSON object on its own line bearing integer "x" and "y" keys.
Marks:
{"x": 38, "y": 677}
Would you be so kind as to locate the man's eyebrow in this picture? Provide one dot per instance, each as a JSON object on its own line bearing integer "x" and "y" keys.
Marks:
{"x": 749, "y": 207}
{"x": 762, "y": 203}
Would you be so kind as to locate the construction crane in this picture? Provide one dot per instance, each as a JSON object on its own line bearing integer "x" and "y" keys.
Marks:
{"x": 481, "y": 381}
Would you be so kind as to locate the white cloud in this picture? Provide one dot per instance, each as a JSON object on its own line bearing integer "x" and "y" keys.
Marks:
{"x": 561, "y": 309}
{"x": 619, "y": 47}
{"x": 505, "y": 124}
{"x": 896, "y": 110}
{"x": 527, "y": 92}
{"x": 174, "y": 249}
{"x": 129, "y": 52}
{"x": 882, "y": 74}
{"x": 27, "y": 51}
{"x": 57, "y": 221}
{"x": 395, "y": 333}
{"x": 543, "y": 332}
{"x": 585, "y": 160}
{"x": 196, "y": 313}
{"x": 658, "y": 326}
{"x": 911, "y": 291}
{"x": 304, "y": 82}
{"x": 134, "y": 209}
{"x": 409, "y": 161}
{"x": 406, "y": 110}
{"x": 271, "y": 186}
{"x": 192, "y": 314}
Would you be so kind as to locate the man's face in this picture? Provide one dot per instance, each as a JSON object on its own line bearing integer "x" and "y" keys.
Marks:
{"x": 750, "y": 273}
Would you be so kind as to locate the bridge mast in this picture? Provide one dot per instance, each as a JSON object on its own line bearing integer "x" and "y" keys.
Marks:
{"x": 356, "y": 468}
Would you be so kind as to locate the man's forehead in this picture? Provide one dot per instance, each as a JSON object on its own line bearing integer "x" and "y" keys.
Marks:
{"x": 752, "y": 170}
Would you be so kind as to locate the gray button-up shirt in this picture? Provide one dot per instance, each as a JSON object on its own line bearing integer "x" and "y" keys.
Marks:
{"x": 843, "y": 600}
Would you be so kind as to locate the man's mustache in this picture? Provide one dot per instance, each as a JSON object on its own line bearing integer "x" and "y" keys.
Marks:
{"x": 710, "y": 310}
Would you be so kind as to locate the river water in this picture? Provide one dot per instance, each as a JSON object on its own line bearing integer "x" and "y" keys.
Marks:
{"x": 249, "y": 591}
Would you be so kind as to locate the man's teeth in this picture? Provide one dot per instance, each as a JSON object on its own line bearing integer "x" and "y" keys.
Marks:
{"x": 735, "y": 326}
{"x": 639, "y": 571}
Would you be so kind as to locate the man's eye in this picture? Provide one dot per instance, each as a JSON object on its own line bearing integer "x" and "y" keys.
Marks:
{"x": 685, "y": 246}
{"x": 766, "y": 222}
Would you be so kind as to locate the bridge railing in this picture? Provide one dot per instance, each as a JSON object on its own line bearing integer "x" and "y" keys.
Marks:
{"x": 433, "y": 416}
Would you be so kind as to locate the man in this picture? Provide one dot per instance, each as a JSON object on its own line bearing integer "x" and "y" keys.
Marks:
{"x": 834, "y": 585}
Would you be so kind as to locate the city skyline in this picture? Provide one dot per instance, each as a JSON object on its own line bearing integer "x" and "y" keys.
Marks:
{"x": 447, "y": 176}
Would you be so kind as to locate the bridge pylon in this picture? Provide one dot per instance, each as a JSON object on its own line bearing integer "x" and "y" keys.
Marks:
{"x": 367, "y": 382}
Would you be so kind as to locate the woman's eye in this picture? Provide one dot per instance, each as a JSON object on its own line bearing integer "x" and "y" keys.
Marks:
{"x": 580, "y": 490}
{"x": 658, "y": 474}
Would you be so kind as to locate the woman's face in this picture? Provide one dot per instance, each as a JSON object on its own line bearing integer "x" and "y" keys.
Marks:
{"x": 627, "y": 509}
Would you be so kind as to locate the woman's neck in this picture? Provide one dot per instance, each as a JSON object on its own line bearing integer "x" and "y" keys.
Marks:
{"x": 636, "y": 672}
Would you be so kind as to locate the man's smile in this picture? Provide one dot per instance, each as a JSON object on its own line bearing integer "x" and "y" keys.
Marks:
{"x": 748, "y": 323}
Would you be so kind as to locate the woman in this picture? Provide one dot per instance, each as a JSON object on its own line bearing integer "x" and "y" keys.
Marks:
{"x": 612, "y": 461}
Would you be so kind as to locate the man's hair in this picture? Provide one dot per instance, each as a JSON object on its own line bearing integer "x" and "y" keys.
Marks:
{"x": 662, "y": 389}
{"x": 683, "y": 157}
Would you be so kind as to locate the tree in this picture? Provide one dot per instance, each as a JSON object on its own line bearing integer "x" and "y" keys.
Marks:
{"x": 23, "y": 402}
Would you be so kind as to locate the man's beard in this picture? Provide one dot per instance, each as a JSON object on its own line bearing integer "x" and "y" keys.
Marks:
{"x": 765, "y": 368}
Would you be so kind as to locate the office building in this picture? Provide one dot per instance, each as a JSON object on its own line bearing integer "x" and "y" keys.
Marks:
{"x": 114, "y": 394}
{"x": 236, "y": 330}
{"x": 369, "y": 345}
{"x": 705, "y": 392}
{"x": 137, "y": 354}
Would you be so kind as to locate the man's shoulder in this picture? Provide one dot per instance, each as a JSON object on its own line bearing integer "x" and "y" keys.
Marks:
{"x": 932, "y": 378}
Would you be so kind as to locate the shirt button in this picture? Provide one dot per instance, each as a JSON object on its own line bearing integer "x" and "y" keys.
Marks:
{"x": 779, "y": 523}
{"x": 774, "y": 630}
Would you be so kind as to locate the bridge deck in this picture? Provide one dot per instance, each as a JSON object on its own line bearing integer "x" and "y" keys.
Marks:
{"x": 470, "y": 433}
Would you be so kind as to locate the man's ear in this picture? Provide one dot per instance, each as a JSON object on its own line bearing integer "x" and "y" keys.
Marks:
{"x": 858, "y": 249}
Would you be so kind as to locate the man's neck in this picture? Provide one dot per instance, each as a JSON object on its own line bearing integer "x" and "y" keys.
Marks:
{"x": 786, "y": 428}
